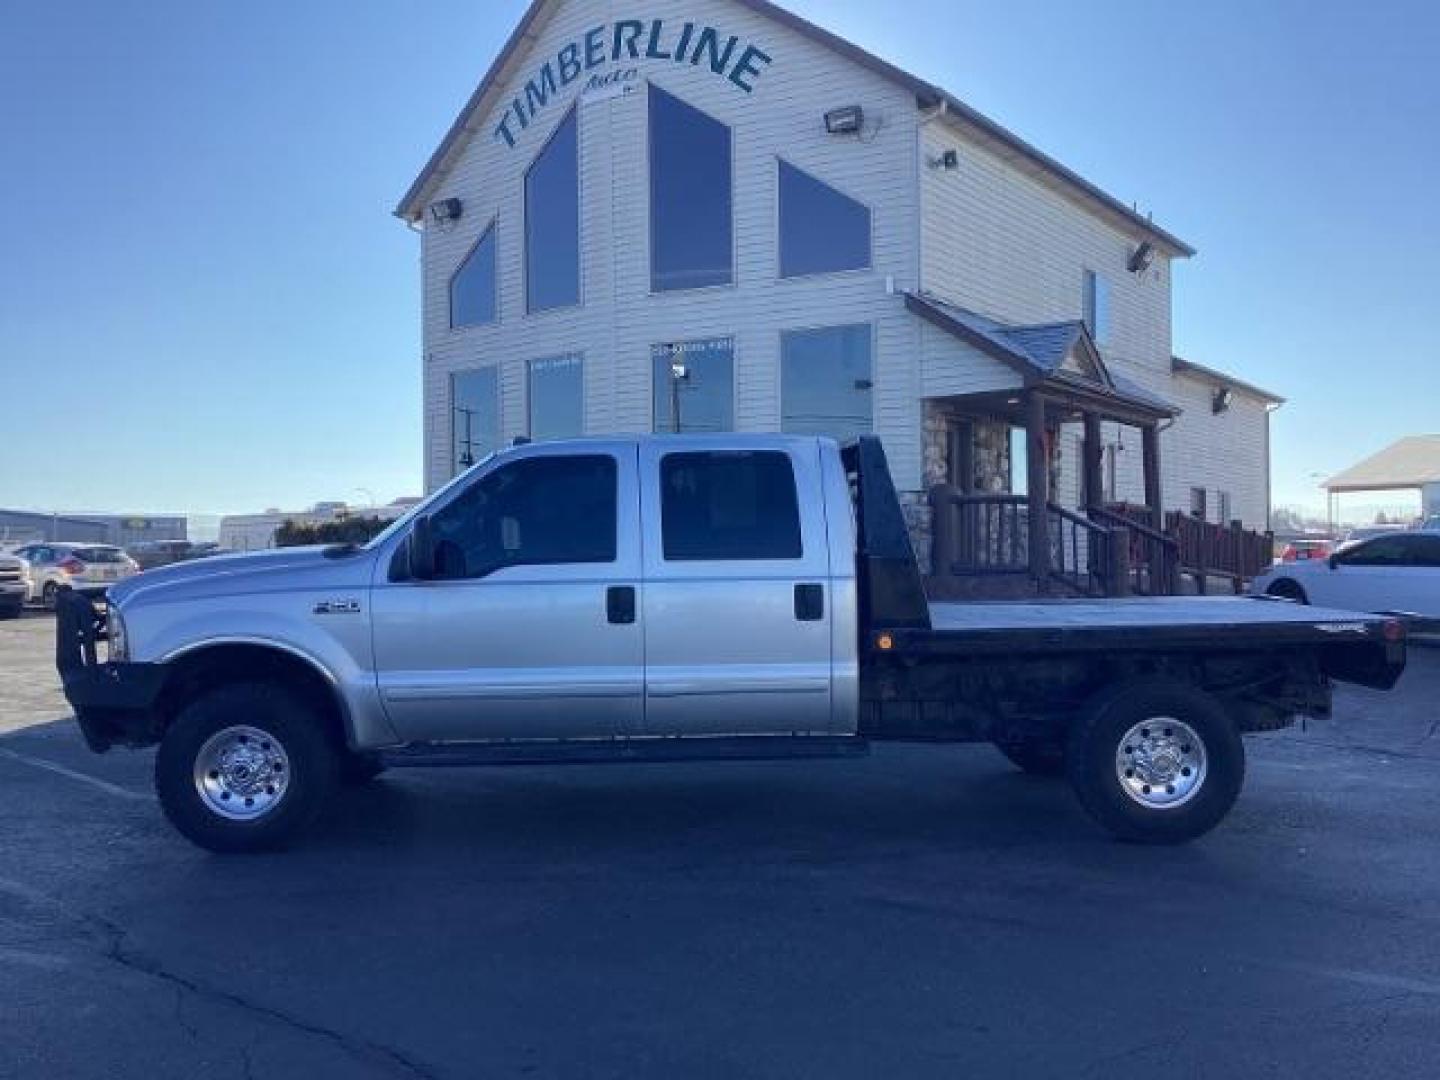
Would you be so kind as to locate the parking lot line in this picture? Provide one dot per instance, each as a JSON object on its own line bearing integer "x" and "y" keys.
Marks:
{"x": 61, "y": 770}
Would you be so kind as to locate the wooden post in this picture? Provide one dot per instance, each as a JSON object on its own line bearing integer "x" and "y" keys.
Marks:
{"x": 1154, "y": 498}
{"x": 943, "y": 542}
{"x": 1237, "y": 554}
{"x": 1094, "y": 463}
{"x": 1118, "y": 571}
{"x": 1038, "y": 493}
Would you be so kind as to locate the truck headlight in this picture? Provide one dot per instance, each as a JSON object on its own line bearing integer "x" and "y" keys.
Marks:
{"x": 115, "y": 632}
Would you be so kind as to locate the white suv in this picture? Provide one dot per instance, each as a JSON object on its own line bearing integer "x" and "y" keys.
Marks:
{"x": 87, "y": 568}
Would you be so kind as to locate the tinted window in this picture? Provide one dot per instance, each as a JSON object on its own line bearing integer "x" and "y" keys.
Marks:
{"x": 1427, "y": 550}
{"x": 825, "y": 381}
{"x": 723, "y": 505}
{"x": 474, "y": 417}
{"x": 690, "y": 197}
{"x": 552, "y": 221}
{"x": 1405, "y": 550}
{"x": 694, "y": 386}
{"x": 540, "y": 511}
{"x": 557, "y": 397}
{"x": 821, "y": 230}
{"x": 472, "y": 289}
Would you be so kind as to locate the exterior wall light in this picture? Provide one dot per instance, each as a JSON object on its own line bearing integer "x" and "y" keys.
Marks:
{"x": 1222, "y": 400}
{"x": 949, "y": 160}
{"x": 446, "y": 211}
{"x": 847, "y": 120}
{"x": 1141, "y": 258}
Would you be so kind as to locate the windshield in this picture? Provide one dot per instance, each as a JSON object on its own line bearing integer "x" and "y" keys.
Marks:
{"x": 403, "y": 521}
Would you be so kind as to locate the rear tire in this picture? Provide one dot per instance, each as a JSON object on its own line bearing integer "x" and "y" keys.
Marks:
{"x": 244, "y": 767}
{"x": 1036, "y": 757}
{"x": 1286, "y": 589}
{"x": 1156, "y": 762}
{"x": 11, "y": 611}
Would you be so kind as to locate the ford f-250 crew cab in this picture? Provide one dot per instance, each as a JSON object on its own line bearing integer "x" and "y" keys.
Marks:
{"x": 674, "y": 598}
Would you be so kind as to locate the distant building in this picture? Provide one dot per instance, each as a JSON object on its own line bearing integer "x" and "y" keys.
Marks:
{"x": 256, "y": 532}
{"x": 1411, "y": 464}
{"x": 30, "y": 527}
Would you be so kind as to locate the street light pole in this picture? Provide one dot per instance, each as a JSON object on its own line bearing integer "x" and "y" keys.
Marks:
{"x": 678, "y": 373}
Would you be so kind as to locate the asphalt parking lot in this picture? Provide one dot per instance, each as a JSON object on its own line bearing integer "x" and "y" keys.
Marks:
{"x": 925, "y": 912}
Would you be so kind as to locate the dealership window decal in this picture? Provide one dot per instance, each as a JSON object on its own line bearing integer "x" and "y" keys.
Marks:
{"x": 611, "y": 53}
{"x": 557, "y": 397}
{"x": 693, "y": 387}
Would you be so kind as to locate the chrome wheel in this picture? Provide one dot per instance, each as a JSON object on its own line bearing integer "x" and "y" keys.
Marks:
{"x": 242, "y": 773}
{"x": 1161, "y": 763}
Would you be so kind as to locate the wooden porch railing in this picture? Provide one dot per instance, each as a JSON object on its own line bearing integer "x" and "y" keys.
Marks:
{"x": 989, "y": 536}
{"x": 1081, "y": 553}
{"x": 1229, "y": 551}
{"x": 1154, "y": 557}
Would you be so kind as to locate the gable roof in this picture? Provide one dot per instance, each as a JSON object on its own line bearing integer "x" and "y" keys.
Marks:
{"x": 974, "y": 124}
{"x": 1413, "y": 462}
{"x": 1038, "y": 352}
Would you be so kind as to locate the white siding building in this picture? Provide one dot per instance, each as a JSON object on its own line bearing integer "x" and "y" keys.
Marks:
{"x": 703, "y": 214}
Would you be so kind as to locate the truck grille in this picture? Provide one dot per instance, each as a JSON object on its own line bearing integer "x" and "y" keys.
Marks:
{"x": 9, "y": 573}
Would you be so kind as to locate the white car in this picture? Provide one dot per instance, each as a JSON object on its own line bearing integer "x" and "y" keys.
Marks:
{"x": 86, "y": 568}
{"x": 1395, "y": 572}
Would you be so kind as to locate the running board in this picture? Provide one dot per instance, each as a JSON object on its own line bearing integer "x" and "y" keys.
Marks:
{"x": 626, "y": 751}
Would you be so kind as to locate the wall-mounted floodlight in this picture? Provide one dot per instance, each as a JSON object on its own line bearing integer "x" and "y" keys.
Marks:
{"x": 949, "y": 160}
{"x": 1141, "y": 258}
{"x": 445, "y": 211}
{"x": 846, "y": 120}
{"x": 1223, "y": 399}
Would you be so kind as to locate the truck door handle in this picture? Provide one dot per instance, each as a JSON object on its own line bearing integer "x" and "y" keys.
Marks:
{"x": 620, "y": 604}
{"x": 809, "y": 602}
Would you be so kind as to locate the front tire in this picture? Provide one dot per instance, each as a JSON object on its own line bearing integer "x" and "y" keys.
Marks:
{"x": 1156, "y": 762}
{"x": 50, "y": 596}
{"x": 244, "y": 767}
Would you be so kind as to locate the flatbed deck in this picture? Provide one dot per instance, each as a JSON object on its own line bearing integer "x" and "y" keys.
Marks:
{"x": 1142, "y": 623}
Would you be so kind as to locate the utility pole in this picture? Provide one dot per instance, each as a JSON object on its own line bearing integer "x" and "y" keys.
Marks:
{"x": 467, "y": 455}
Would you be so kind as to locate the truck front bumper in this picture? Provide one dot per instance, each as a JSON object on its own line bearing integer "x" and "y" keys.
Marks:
{"x": 113, "y": 702}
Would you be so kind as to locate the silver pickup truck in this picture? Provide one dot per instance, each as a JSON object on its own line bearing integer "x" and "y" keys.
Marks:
{"x": 668, "y": 599}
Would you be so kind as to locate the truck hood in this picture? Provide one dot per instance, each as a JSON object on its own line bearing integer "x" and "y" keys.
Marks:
{"x": 279, "y": 570}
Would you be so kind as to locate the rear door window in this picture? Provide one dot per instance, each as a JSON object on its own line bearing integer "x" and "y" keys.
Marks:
{"x": 729, "y": 506}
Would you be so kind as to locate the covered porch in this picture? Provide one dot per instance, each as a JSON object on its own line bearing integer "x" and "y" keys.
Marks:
{"x": 1012, "y": 513}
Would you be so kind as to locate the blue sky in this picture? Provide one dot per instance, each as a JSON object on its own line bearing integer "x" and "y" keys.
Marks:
{"x": 209, "y": 308}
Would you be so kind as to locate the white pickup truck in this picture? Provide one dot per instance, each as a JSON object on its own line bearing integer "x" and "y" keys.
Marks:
{"x": 668, "y": 599}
